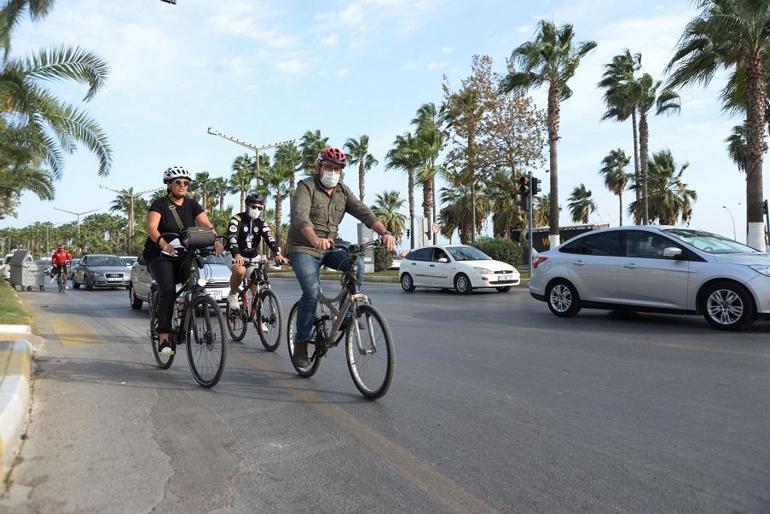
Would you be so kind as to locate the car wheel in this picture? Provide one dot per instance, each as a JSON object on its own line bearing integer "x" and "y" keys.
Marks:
{"x": 728, "y": 306}
{"x": 463, "y": 284}
{"x": 504, "y": 289}
{"x": 75, "y": 284}
{"x": 136, "y": 303}
{"x": 407, "y": 284}
{"x": 562, "y": 299}
{"x": 89, "y": 286}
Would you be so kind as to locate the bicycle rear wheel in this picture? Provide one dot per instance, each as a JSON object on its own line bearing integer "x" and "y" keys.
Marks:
{"x": 238, "y": 321}
{"x": 164, "y": 361}
{"x": 205, "y": 333}
{"x": 369, "y": 351}
{"x": 269, "y": 320}
{"x": 313, "y": 353}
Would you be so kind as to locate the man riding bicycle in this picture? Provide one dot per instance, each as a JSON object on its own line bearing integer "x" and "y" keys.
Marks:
{"x": 245, "y": 231}
{"x": 317, "y": 208}
{"x": 60, "y": 260}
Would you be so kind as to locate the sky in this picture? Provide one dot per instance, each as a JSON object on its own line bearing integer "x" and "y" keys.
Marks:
{"x": 265, "y": 71}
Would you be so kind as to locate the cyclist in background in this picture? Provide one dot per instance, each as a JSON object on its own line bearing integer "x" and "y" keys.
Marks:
{"x": 245, "y": 231}
{"x": 60, "y": 260}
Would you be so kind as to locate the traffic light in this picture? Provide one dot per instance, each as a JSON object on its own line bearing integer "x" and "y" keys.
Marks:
{"x": 535, "y": 186}
{"x": 524, "y": 186}
{"x": 764, "y": 207}
{"x": 408, "y": 232}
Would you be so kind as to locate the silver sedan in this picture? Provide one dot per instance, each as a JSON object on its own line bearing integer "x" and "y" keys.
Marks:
{"x": 656, "y": 269}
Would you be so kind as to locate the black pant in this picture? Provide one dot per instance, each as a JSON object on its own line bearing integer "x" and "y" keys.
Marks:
{"x": 167, "y": 272}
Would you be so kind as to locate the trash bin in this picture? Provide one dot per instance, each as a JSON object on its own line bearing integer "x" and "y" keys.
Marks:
{"x": 25, "y": 272}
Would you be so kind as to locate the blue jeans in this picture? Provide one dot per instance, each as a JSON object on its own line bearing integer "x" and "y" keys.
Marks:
{"x": 307, "y": 268}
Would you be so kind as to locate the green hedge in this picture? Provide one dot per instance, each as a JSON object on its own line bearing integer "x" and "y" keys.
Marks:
{"x": 501, "y": 249}
{"x": 382, "y": 259}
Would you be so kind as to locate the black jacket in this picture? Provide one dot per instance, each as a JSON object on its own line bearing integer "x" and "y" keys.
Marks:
{"x": 244, "y": 234}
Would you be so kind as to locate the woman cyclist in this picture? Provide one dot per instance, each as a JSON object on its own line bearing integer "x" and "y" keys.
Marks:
{"x": 162, "y": 260}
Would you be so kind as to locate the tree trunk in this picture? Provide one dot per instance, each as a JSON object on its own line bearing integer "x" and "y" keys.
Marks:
{"x": 620, "y": 200}
{"x": 221, "y": 202}
{"x": 637, "y": 178}
{"x": 243, "y": 200}
{"x": 644, "y": 157}
{"x": 361, "y": 179}
{"x": 427, "y": 196}
{"x": 472, "y": 174}
{"x": 756, "y": 146}
{"x": 433, "y": 203}
{"x": 553, "y": 140}
{"x": 410, "y": 174}
{"x": 278, "y": 215}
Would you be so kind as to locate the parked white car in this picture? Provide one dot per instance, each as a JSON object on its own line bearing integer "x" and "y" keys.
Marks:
{"x": 658, "y": 269}
{"x": 458, "y": 267}
{"x": 215, "y": 271}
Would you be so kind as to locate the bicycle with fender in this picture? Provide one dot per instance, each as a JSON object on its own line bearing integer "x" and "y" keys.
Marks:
{"x": 368, "y": 341}
{"x": 259, "y": 305}
{"x": 61, "y": 282}
{"x": 197, "y": 322}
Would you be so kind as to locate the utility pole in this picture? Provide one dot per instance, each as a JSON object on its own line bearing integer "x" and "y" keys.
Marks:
{"x": 131, "y": 222}
{"x": 78, "y": 214}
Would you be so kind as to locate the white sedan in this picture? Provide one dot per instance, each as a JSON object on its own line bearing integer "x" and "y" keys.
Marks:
{"x": 458, "y": 267}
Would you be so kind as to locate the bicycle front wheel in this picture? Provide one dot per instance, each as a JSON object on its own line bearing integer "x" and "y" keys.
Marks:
{"x": 369, "y": 351}
{"x": 164, "y": 361}
{"x": 269, "y": 320}
{"x": 60, "y": 281}
{"x": 237, "y": 321}
{"x": 205, "y": 334}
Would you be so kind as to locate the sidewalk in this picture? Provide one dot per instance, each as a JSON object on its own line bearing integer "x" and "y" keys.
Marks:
{"x": 15, "y": 391}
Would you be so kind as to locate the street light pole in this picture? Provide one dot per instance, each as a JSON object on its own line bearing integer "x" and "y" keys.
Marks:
{"x": 131, "y": 223}
{"x": 78, "y": 214}
{"x": 732, "y": 218}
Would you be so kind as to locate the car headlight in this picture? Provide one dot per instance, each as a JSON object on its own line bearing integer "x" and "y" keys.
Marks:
{"x": 483, "y": 271}
{"x": 764, "y": 269}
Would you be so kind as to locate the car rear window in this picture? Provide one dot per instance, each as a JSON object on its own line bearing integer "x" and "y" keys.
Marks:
{"x": 602, "y": 243}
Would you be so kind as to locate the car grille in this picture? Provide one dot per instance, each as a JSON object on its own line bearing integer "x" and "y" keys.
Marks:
{"x": 506, "y": 272}
{"x": 114, "y": 275}
{"x": 215, "y": 285}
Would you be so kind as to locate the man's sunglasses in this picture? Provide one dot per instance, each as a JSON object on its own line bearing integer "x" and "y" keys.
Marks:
{"x": 255, "y": 206}
{"x": 185, "y": 183}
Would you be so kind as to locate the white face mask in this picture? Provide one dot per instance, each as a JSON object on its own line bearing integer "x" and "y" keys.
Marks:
{"x": 330, "y": 179}
{"x": 254, "y": 213}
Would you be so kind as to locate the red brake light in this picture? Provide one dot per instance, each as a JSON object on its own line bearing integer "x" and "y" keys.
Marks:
{"x": 538, "y": 261}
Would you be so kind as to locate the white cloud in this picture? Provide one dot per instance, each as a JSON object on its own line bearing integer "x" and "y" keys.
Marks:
{"x": 293, "y": 66}
{"x": 330, "y": 40}
{"x": 446, "y": 50}
{"x": 342, "y": 73}
{"x": 409, "y": 66}
{"x": 251, "y": 20}
{"x": 523, "y": 30}
{"x": 437, "y": 65}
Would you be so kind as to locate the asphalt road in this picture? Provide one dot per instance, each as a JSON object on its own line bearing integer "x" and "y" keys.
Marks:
{"x": 496, "y": 405}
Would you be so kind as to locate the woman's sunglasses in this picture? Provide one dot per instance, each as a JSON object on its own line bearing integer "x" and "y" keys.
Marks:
{"x": 185, "y": 183}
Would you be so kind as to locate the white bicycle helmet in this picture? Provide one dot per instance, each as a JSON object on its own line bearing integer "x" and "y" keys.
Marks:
{"x": 175, "y": 172}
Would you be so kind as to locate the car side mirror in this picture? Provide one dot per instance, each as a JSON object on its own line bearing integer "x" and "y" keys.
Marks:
{"x": 672, "y": 253}
{"x": 443, "y": 259}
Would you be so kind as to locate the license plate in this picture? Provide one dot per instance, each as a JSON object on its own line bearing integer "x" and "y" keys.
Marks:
{"x": 505, "y": 278}
{"x": 216, "y": 295}
{"x": 115, "y": 279}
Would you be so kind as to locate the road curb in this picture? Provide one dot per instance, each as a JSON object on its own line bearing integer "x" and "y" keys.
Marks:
{"x": 15, "y": 329}
{"x": 386, "y": 280}
{"x": 15, "y": 370}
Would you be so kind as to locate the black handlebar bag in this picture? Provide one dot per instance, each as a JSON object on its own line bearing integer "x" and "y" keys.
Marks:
{"x": 197, "y": 237}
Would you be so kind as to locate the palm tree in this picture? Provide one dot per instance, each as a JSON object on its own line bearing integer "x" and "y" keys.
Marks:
{"x": 502, "y": 191}
{"x": 667, "y": 102}
{"x": 20, "y": 168}
{"x": 621, "y": 98}
{"x": 54, "y": 126}
{"x": 289, "y": 156}
{"x": 311, "y": 145}
{"x": 406, "y": 156}
{"x": 430, "y": 135}
{"x": 615, "y": 176}
{"x": 278, "y": 183}
{"x": 736, "y": 146}
{"x": 386, "y": 207}
{"x": 541, "y": 211}
{"x": 670, "y": 198}
{"x": 580, "y": 204}
{"x": 733, "y": 34}
{"x": 220, "y": 187}
{"x": 358, "y": 153}
{"x": 243, "y": 174}
{"x": 201, "y": 188}
{"x": 551, "y": 59}
{"x": 458, "y": 206}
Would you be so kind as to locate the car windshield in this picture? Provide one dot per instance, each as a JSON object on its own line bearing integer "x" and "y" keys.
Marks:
{"x": 468, "y": 253}
{"x": 128, "y": 260}
{"x": 215, "y": 259}
{"x": 708, "y": 242}
{"x": 105, "y": 261}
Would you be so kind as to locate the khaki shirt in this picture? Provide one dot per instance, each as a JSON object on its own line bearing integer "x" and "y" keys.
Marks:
{"x": 311, "y": 206}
